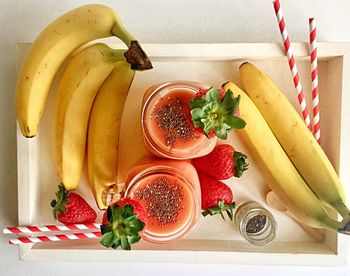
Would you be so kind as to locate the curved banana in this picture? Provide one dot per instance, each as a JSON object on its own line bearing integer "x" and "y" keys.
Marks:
{"x": 52, "y": 46}
{"x": 103, "y": 132}
{"x": 295, "y": 138}
{"x": 280, "y": 173}
{"x": 76, "y": 92}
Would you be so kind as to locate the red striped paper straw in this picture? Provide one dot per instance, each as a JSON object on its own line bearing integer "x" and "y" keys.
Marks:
{"x": 291, "y": 61}
{"x": 53, "y": 238}
{"x": 314, "y": 79}
{"x": 49, "y": 228}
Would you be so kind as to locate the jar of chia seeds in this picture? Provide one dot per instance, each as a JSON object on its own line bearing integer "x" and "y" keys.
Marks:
{"x": 255, "y": 223}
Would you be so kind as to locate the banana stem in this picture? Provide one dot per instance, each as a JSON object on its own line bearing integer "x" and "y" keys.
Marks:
{"x": 332, "y": 224}
{"x": 345, "y": 229}
{"x": 342, "y": 227}
{"x": 119, "y": 31}
{"x": 115, "y": 55}
{"x": 135, "y": 55}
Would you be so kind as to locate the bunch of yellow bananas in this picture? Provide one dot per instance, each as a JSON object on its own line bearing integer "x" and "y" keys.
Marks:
{"x": 295, "y": 166}
{"x": 91, "y": 92}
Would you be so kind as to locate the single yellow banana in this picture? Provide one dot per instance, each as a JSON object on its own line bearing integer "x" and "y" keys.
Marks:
{"x": 50, "y": 49}
{"x": 295, "y": 138}
{"x": 103, "y": 132}
{"x": 280, "y": 173}
{"x": 76, "y": 92}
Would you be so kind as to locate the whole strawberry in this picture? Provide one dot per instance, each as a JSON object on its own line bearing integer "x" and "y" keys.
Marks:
{"x": 214, "y": 111}
{"x": 71, "y": 208}
{"x": 217, "y": 197}
{"x": 222, "y": 163}
{"x": 122, "y": 224}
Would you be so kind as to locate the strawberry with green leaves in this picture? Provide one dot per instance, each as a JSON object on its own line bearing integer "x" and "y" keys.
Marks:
{"x": 123, "y": 223}
{"x": 214, "y": 111}
{"x": 217, "y": 197}
{"x": 71, "y": 208}
{"x": 222, "y": 163}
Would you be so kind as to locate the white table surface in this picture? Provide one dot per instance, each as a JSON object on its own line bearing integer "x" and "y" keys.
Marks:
{"x": 160, "y": 21}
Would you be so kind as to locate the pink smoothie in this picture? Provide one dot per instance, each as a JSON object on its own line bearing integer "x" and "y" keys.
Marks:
{"x": 167, "y": 201}
{"x": 169, "y": 191}
{"x": 170, "y": 123}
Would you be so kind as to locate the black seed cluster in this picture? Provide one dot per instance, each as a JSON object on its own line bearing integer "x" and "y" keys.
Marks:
{"x": 175, "y": 124}
{"x": 256, "y": 224}
{"x": 164, "y": 200}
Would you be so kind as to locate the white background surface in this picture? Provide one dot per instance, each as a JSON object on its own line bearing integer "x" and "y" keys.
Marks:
{"x": 150, "y": 21}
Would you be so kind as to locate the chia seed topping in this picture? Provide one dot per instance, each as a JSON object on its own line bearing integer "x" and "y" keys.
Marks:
{"x": 175, "y": 124}
{"x": 256, "y": 224}
{"x": 164, "y": 200}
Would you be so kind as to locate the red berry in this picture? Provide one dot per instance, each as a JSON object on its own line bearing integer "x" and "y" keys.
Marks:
{"x": 213, "y": 191}
{"x": 222, "y": 163}
{"x": 71, "y": 208}
{"x": 77, "y": 211}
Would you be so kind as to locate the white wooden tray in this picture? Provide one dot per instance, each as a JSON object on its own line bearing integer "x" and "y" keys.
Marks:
{"x": 213, "y": 241}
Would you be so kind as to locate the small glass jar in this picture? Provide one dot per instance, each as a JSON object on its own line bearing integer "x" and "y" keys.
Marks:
{"x": 186, "y": 142}
{"x": 255, "y": 223}
{"x": 184, "y": 178}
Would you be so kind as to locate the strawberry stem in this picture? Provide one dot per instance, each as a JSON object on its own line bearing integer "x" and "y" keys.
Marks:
{"x": 220, "y": 209}
{"x": 211, "y": 113}
{"x": 59, "y": 204}
{"x": 240, "y": 163}
{"x": 122, "y": 228}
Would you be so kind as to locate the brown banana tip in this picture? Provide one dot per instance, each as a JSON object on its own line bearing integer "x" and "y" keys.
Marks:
{"x": 136, "y": 56}
{"x": 31, "y": 136}
{"x": 346, "y": 229}
{"x": 243, "y": 64}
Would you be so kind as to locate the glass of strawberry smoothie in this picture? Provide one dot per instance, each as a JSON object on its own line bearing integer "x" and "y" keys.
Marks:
{"x": 169, "y": 191}
{"x": 166, "y": 121}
